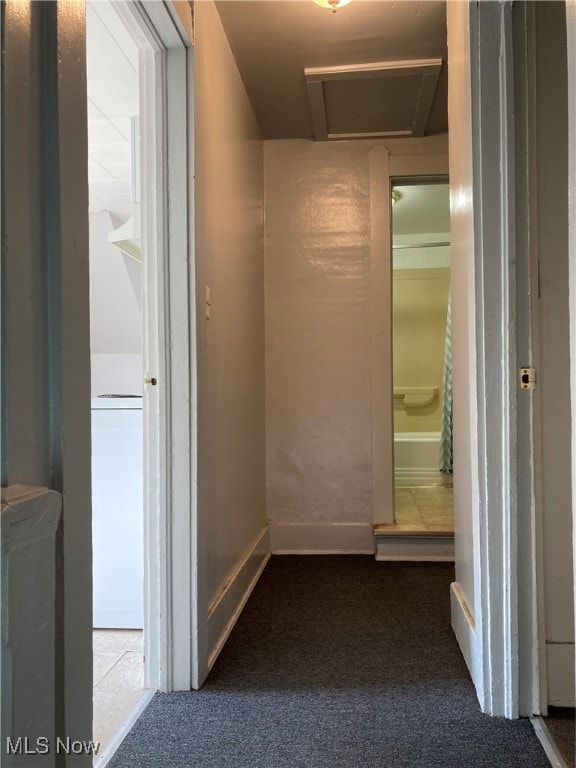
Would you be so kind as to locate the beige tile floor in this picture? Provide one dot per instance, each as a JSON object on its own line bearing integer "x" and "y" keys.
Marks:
{"x": 118, "y": 679}
{"x": 425, "y": 508}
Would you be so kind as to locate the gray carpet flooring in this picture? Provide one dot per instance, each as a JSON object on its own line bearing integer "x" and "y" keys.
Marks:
{"x": 336, "y": 662}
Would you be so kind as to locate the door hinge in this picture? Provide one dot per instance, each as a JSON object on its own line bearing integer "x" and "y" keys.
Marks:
{"x": 527, "y": 378}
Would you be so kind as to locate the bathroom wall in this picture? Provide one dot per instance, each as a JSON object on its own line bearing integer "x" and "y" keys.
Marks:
{"x": 420, "y": 303}
{"x": 318, "y": 336}
{"x": 231, "y": 384}
{"x": 115, "y": 314}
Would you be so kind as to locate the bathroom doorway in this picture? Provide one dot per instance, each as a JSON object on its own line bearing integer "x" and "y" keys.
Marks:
{"x": 422, "y": 359}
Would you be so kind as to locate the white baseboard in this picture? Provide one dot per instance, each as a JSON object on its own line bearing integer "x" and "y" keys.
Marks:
{"x": 322, "y": 538}
{"x": 414, "y": 558}
{"x": 416, "y": 476}
{"x": 123, "y": 731}
{"x": 225, "y": 609}
{"x": 560, "y": 674}
{"x": 463, "y": 626}
{"x": 544, "y": 737}
{"x": 411, "y": 548}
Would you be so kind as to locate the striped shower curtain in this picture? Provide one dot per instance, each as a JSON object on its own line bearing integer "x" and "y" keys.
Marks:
{"x": 446, "y": 438}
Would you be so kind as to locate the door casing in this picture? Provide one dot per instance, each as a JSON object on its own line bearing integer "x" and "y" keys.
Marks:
{"x": 173, "y": 647}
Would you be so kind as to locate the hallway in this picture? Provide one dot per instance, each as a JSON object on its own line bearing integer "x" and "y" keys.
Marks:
{"x": 336, "y": 662}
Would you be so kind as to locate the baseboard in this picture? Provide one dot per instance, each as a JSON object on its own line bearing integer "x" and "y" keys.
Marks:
{"x": 414, "y": 548}
{"x": 423, "y": 558}
{"x": 544, "y": 737}
{"x": 463, "y": 626}
{"x": 322, "y": 538}
{"x": 416, "y": 476}
{"x": 560, "y": 674}
{"x": 225, "y": 609}
{"x": 110, "y": 749}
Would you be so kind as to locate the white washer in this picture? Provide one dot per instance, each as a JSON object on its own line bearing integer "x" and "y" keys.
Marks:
{"x": 117, "y": 512}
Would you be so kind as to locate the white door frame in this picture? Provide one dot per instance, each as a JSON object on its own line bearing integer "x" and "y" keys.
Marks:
{"x": 383, "y": 169}
{"x": 166, "y": 110}
{"x": 489, "y": 197}
{"x": 532, "y": 642}
{"x": 496, "y": 319}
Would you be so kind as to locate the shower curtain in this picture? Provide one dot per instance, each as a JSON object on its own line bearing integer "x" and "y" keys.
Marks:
{"x": 446, "y": 438}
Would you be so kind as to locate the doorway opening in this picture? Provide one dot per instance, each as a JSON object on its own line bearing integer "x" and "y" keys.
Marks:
{"x": 414, "y": 519}
{"x": 117, "y": 374}
{"x": 422, "y": 357}
{"x": 143, "y": 69}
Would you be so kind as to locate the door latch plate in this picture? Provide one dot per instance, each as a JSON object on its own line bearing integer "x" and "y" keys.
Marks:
{"x": 527, "y": 378}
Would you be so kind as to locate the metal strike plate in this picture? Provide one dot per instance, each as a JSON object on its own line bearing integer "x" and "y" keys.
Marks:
{"x": 527, "y": 378}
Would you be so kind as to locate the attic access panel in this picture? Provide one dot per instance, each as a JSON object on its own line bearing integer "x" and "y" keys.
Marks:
{"x": 366, "y": 101}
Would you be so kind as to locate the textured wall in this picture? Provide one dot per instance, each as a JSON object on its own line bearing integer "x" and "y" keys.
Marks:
{"x": 230, "y": 259}
{"x": 317, "y": 236}
{"x": 317, "y": 331}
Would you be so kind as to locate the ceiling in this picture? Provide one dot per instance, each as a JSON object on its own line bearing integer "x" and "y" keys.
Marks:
{"x": 274, "y": 41}
{"x": 421, "y": 209}
{"x": 112, "y": 71}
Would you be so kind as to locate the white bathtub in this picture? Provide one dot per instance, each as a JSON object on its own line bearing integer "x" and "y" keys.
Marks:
{"x": 416, "y": 459}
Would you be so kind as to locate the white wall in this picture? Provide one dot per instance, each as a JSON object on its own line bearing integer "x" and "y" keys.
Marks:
{"x": 115, "y": 314}
{"x": 230, "y": 259}
{"x": 318, "y": 336}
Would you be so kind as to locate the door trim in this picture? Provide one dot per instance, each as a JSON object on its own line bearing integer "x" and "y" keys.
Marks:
{"x": 496, "y": 610}
{"x": 382, "y": 418}
{"x": 383, "y": 168}
{"x": 485, "y": 41}
{"x": 531, "y": 626}
{"x": 166, "y": 99}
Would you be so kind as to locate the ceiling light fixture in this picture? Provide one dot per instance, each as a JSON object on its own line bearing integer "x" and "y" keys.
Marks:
{"x": 334, "y": 4}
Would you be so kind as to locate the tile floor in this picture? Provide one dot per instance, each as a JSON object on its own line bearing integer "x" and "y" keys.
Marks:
{"x": 118, "y": 679}
{"x": 425, "y": 508}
